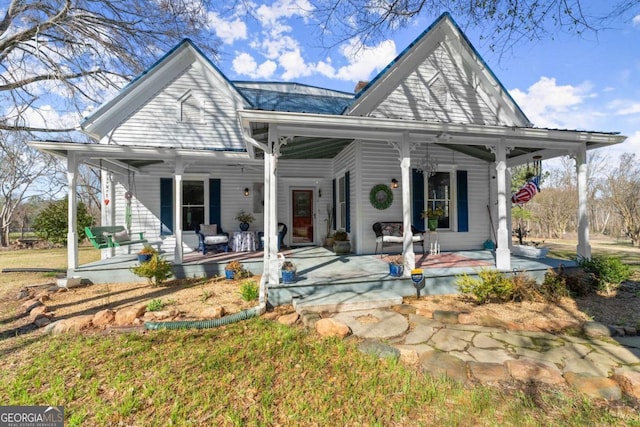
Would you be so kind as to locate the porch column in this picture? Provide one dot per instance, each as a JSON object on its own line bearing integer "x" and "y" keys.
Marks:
{"x": 503, "y": 254}
{"x": 266, "y": 225}
{"x": 178, "y": 172}
{"x": 72, "y": 229}
{"x": 271, "y": 200}
{"x": 584, "y": 248}
{"x": 108, "y": 209}
{"x": 407, "y": 243}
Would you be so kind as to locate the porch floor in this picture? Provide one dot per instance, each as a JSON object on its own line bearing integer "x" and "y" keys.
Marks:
{"x": 320, "y": 271}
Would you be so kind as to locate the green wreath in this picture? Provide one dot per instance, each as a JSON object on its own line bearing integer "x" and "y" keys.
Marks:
{"x": 381, "y": 196}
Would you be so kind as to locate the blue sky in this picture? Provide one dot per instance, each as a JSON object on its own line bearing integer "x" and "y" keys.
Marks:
{"x": 590, "y": 82}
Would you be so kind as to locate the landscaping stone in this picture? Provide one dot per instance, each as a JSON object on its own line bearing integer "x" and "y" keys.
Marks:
{"x": 41, "y": 309}
{"x": 584, "y": 366}
{"x": 451, "y": 340}
{"x": 596, "y": 329}
{"x": 488, "y": 372}
{"x": 310, "y": 318}
{"x": 629, "y": 381}
{"x": 424, "y": 312}
{"x": 376, "y": 323}
{"x": 378, "y": 349}
{"x": 568, "y": 351}
{"x": 490, "y": 356}
{"x": 126, "y": 316}
{"x": 289, "y": 319}
{"x": 23, "y": 294}
{"x": 330, "y": 327}
{"x": 72, "y": 324}
{"x": 630, "y": 330}
{"x": 485, "y": 341}
{"x": 103, "y": 318}
{"x": 616, "y": 353}
{"x": 438, "y": 363}
{"x": 417, "y": 319}
{"x": 213, "y": 312}
{"x": 42, "y": 321}
{"x": 419, "y": 335}
{"x": 270, "y": 315}
{"x": 445, "y": 316}
{"x": 534, "y": 371}
{"x": 593, "y": 386}
{"x": 30, "y": 304}
{"x": 404, "y": 309}
{"x": 492, "y": 322}
{"x": 515, "y": 340}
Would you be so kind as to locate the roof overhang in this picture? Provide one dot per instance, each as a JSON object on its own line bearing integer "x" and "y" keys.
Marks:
{"x": 475, "y": 140}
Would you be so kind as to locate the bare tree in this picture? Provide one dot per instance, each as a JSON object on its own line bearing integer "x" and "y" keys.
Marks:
{"x": 507, "y": 22}
{"x": 623, "y": 194}
{"x": 21, "y": 168}
{"x": 73, "y": 51}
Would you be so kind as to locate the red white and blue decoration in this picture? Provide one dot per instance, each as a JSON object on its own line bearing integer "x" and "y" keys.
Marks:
{"x": 526, "y": 193}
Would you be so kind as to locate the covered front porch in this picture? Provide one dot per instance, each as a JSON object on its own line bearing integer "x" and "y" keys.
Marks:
{"x": 322, "y": 273}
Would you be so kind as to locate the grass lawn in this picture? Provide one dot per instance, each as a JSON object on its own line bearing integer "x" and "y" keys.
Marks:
{"x": 255, "y": 372}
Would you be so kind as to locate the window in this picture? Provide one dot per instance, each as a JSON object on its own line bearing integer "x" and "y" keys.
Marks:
{"x": 439, "y": 196}
{"x": 192, "y": 204}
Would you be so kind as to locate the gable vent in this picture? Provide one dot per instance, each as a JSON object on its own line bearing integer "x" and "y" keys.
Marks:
{"x": 439, "y": 96}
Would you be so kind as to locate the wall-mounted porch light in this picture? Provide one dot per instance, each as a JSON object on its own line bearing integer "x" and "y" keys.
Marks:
{"x": 394, "y": 183}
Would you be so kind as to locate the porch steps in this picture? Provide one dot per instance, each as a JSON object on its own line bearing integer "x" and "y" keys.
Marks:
{"x": 347, "y": 301}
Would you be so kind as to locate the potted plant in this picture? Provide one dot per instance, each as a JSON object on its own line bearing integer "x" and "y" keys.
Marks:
{"x": 288, "y": 272}
{"x": 341, "y": 244}
{"x": 146, "y": 253}
{"x": 432, "y": 215}
{"x": 233, "y": 269}
{"x": 396, "y": 266}
{"x": 245, "y": 219}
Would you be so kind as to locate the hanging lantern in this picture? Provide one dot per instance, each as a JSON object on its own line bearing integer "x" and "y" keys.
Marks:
{"x": 128, "y": 195}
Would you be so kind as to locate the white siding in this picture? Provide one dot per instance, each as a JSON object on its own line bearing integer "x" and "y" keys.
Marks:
{"x": 157, "y": 122}
{"x": 413, "y": 98}
{"x": 380, "y": 164}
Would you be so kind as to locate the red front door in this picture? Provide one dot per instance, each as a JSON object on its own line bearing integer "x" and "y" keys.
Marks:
{"x": 302, "y": 215}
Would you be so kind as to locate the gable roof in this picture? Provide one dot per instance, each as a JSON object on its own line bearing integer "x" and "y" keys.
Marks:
{"x": 443, "y": 31}
{"x": 137, "y": 92}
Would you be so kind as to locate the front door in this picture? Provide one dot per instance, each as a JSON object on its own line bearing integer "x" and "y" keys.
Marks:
{"x": 302, "y": 217}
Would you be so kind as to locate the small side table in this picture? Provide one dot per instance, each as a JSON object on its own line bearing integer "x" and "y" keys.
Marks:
{"x": 243, "y": 241}
{"x": 434, "y": 246}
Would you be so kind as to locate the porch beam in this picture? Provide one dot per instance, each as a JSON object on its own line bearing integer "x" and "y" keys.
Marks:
{"x": 72, "y": 210}
{"x": 503, "y": 253}
{"x": 584, "y": 248}
{"x": 177, "y": 181}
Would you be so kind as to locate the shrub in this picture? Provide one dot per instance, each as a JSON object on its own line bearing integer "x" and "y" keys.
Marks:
{"x": 525, "y": 288}
{"x": 156, "y": 270}
{"x": 249, "y": 290}
{"x": 491, "y": 286}
{"x": 52, "y": 223}
{"x": 155, "y": 305}
{"x": 606, "y": 272}
{"x": 554, "y": 285}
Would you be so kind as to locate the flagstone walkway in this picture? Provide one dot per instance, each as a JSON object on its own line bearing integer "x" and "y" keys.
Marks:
{"x": 598, "y": 366}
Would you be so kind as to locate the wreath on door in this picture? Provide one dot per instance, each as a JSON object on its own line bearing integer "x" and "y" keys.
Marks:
{"x": 381, "y": 196}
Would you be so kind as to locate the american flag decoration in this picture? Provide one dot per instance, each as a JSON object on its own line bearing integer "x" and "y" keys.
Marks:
{"x": 526, "y": 193}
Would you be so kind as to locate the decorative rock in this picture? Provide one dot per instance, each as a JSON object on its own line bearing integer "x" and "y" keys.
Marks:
{"x": 103, "y": 318}
{"x": 630, "y": 330}
{"x": 270, "y": 315}
{"x": 23, "y": 294}
{"x": 289, "y": 319}
{"x": 425, "y": 313}
{"x": 44, "y": 298}
{"x": 72, "y": 324}
{"x": 164, "y": 314}
{"x": 492, "y": 322}
{"x": 331, "y": 328}
{"x": 487, "y": 372}
{"x": 438, "y": 363}
{"x": 597, "y": 387}
{"x": 408, "y": 356}
{"x": 378, "y": 349}
{"x": 446, "y": 316}
{"x": 629, "y": 381}
{"x": 42, "y": 321}
{"x": 41, "y": 309}
{"x": 534, "y": 371}
{"x": 310, "y": 318}
{"x": 617, "y": 331}
{"x": 213, "y": 312}
{"x": 404, "y": 309}
{"x": 466, "y": 319}
{"x": 30, "y": 304}
{"x": 596, "y": 329}
{"x": 451, "y": 340}
{"x": 127, "y": 315}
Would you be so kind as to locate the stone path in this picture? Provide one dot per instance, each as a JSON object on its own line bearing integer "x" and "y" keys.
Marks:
{"x": 598, "y": 367}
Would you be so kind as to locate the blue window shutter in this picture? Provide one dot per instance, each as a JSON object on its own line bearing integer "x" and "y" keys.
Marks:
{"x": 333, "y": 208}
{"x": 463, "y": 201}
{"x": 215, "y": 202}
{"x": 347, "y": 203}
{"x": 417, "y": 185}
{"x": 166, "y": 206}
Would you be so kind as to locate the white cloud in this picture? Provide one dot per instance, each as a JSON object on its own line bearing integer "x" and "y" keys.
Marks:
{"x": 245, "y": 64}
{"x": 365, "y": 61}
{"x": 270, "y": 16}
{"x": 294, "y": 65}
{"x": 228, "y": 30}
{"x": 636, "y": 21}
{"x": 625, "y": 107}
{"x": 550, "y": 105}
